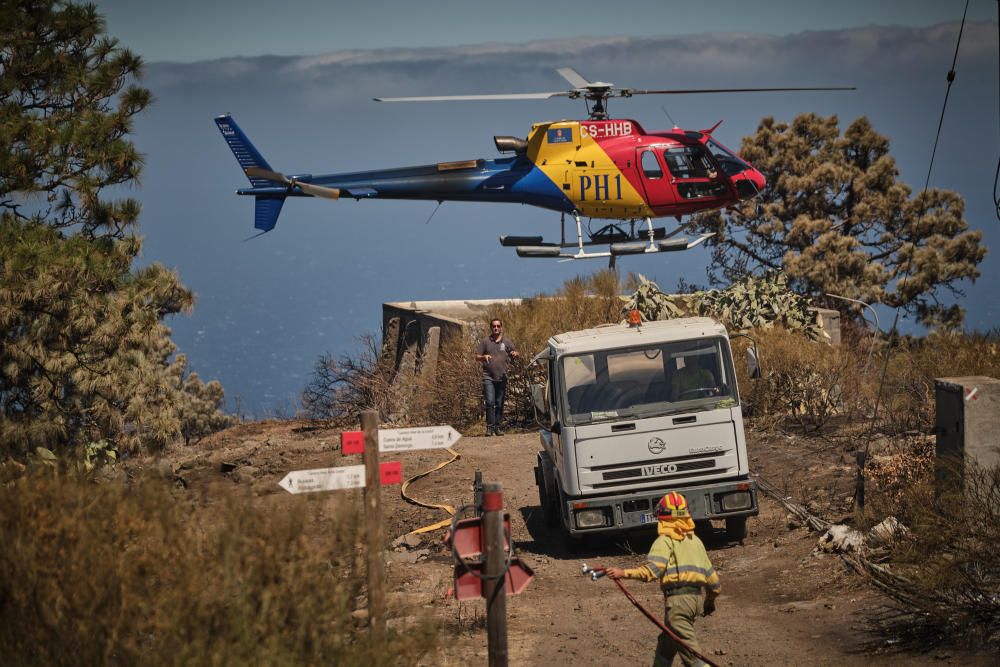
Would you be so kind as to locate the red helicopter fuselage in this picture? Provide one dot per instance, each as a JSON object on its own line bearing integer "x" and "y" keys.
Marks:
{"x": 615, "y": 169}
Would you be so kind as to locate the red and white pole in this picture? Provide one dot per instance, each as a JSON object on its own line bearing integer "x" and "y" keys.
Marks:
{"x": 495, "y": 584}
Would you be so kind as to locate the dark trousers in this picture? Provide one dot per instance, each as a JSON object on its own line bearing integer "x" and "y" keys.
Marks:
{"x": 494, "y": 392}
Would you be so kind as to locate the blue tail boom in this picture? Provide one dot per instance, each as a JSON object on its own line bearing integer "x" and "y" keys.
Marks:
{"x": 266, "y": 207}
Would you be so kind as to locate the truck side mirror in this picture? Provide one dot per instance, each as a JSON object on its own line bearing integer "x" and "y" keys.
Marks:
{"x": 753, "y": 363}
{"x": 538, "y": 400}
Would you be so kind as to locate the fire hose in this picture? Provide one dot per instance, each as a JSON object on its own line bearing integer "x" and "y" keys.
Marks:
{"x": 598, "y": 572}
{"x": 444, "y": 523}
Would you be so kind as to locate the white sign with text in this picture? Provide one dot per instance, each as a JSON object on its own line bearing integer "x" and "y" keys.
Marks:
{"x": 421, "y": 437}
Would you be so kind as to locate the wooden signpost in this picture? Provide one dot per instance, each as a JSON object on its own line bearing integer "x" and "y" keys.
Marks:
{"x": 369, "y": 476}
{"x": 373, "y": 523}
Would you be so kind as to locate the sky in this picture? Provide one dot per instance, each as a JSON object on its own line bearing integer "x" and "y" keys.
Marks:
{"x": 299, "y": 78}
{"x": 192, "y": 30}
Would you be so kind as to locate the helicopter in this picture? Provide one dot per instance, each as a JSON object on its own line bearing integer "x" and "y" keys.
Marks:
{"x": 605, "y": 169}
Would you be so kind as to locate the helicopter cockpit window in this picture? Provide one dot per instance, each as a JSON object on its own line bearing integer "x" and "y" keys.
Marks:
{"x": 730, "y": 162}
{"x": 650, "y": 167}
{"x": 689, "y": 162}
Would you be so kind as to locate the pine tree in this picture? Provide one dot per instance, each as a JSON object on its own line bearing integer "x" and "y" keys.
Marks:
{"x": 84, "y": 353}
{"x": 836, "y": 219}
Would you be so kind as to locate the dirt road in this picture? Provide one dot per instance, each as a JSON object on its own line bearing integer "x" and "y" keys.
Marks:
{"x": 783, "y": 603}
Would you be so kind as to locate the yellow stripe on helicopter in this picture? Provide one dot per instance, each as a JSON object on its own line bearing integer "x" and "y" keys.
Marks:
{"x": 585, "y": 173}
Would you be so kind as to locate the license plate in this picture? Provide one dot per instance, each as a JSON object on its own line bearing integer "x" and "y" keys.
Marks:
{"x": 647, "y": 517}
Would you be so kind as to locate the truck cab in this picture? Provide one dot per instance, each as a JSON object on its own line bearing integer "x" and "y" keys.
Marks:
{"x": 629, "y": 413}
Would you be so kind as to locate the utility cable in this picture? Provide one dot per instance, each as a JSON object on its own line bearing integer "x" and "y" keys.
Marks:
{"x": 951, "y": 79}
{"x": 996, "y": 178}
{"x": 893, "y": 332}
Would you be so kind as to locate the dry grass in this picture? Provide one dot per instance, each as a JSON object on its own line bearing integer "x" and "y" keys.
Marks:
{"x": 803, "y": 383}
{"x": 946, "y": 569}
{"x": 341, "y": 388}
{"x": 99, "y": 574}
{"x": 908, "y": 397}
{"x": 454, "y": 394}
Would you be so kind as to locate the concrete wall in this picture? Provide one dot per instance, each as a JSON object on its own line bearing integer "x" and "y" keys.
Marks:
{"x": 829, "y": 321}
{"x": 968, "y": 425}
{"x": 412, "y": 331}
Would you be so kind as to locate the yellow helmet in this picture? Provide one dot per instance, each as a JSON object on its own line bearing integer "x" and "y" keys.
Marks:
{"x": 672, "y": 506}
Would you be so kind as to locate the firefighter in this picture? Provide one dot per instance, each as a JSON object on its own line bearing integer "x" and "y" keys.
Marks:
{"x": 679, "y": 562}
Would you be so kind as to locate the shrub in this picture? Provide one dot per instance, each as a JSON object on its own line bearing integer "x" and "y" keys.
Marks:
{"x": 908, "y": 397}
{"x": 807, "y": 382}
{"x": 454, "y": 393}
{"x": 945, "y": 572}
{"x": 100, "y": 574}
{"x": 750, "y": 303}
{"x": 340, "y": 389}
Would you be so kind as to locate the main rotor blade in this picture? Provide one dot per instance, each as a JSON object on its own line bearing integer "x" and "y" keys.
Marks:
{"x": 451, "y": 98}
{"x": 632, "y": 91}
{"x": 573, "y": 77}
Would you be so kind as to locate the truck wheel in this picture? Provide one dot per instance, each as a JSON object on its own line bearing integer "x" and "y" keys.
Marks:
{"x": 575, "y": 545}
{"x": 736, "y": 528}
{"x": 550, "y": 510}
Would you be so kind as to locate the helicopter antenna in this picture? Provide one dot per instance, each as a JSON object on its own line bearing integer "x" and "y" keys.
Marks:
{"x": 669, "y": 117}
{"x": 440, "y": 201}
{"x": 251, "y": 238}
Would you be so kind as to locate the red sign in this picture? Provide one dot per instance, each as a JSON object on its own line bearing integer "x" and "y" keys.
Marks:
{"x": 468, "y": 537}
{"x": 392, "y": 472}
{"x": 352, "y": 442}
{"x": 469, "y": 583}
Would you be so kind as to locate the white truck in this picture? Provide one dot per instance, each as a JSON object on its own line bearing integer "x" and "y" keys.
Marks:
{"x": 631, "y": 412}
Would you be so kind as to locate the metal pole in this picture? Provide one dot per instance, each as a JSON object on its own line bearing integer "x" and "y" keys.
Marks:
{"x": 495, "y": 588}
{"x": 373, "y": 524}
{"x": 477, "y": 492}
{"x": 878, "y": 328}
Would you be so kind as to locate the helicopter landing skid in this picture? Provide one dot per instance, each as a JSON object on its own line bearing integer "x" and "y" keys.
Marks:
{"x": 619, "y": 243}
{"x": 614, "y": 250}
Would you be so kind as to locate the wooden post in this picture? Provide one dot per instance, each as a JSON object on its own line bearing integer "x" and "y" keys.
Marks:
{"x": 859, "y": 480}
{"x": 373, "y": 524}
{"x": 495, "y": 584}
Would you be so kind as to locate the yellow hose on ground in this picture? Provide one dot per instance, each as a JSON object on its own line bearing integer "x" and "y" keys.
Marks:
{"x": 447, "y": 508}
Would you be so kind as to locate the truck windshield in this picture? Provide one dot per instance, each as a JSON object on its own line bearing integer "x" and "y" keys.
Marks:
{"x": 644, "y": 381}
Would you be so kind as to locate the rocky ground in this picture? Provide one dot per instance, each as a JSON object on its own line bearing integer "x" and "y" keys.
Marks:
{"x": 784, "y": 602}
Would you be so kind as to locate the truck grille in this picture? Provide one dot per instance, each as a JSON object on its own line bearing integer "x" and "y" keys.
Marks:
{"x": 676, "y": 467}
{"x": 657, "y": 472}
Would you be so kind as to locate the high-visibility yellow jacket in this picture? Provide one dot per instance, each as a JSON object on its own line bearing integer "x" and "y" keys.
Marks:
{"x": 678, "y": 564}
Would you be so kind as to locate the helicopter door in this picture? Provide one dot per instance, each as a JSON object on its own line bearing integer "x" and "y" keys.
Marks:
{"x": 694, "y": 174}
{"x": 659, "y": 191}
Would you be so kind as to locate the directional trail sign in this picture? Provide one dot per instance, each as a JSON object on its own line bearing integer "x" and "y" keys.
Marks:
{"x": 421, "y": 437}
{"x": 332, "y": 479}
